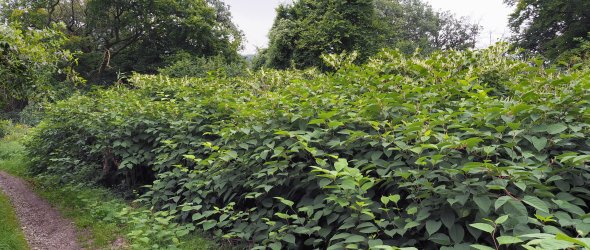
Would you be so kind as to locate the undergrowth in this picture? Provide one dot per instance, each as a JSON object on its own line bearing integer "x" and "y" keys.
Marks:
{"x": 104, "y": 221}
{"x": 454, "y": 150}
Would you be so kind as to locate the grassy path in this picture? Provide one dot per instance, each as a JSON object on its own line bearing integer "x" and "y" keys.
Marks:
{"x": 43, "y": 225}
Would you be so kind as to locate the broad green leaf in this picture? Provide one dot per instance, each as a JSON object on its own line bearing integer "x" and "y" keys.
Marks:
{"x": 340, "y": 164}
{"x": 482, "y": 247}
{"x": 285, "y": 201}
{"x": 384, "y": 200}
{"x": 578, "y": 242}
{"x": 355, "y": 239}
{"x": 536, "y": 203}
{"x": 507, "y": 240}
{"x": 441, "y": 239}
{"x": 448, "y": 218}
{"x": 556, "y": 128}
{"x": 538, "y": 143}
{"x": 457, "y": 233}
{"x": 275, "y": 246}
{"x": 501, "y": 201}
{"x": 395, "y": 198}
{"x": 501, "y": 219}
{"x": 412, "y": 210}
{"x": 433, "y": 226}
{"x": 483, "y": 227}
{"x": 209, "y": 224}
{"x": 289, "y": 238}
{"x": 483, "y": 202}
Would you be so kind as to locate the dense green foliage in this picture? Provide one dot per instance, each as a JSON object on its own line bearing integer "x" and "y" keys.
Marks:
{"x": 119, "y": 37}
{"x": 302, "y": 32}
{"x": 305, "y": 30}
{"x": 447, "y": 150}
{"x": 106, "y": 220}
{"x": 549, "y": 27}
{"x": 183, "y": 64}
{"x": 33, "y": 67}
{"x": 413, "y": 24}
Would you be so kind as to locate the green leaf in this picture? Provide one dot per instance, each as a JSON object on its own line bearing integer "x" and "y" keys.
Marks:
{"x": 285, "y": 201}
{"x": 275, "y": 246}
{"x": 569, "y": 207}
{"x": 335, "y": 124}
{"x": 556, "y": 128}
{"x": 564, "y": 237}
{"x": 355, "y": 239}
{"x": 289, "y": 238}
{"x": 501, "y": 201}
{"x": 483, "y": 227}
{"x": 340, "y": 164}
{"x": 501, "y": 219}
{"x": 482, "y": 247}
{"x": 441, "y": 239}
{"x": 507, "y": 240}
{"x": 483, "y": 202}
{"x": 536, "y": 203}
{"x": 412, "y": 210}
{"x": 448, "y": 218}
{"x": 432, "y": 226}
{"x": 209, "y": 224}
{"x": 457, "y": 233}
{"x": 555, "y": 244}
{"x": 348, "y": 184}
{"x": 384, "y": 200}
{"x": 411, "y": 224}
{"x": 395, "y": 198}
{"x": 538, "y": 143}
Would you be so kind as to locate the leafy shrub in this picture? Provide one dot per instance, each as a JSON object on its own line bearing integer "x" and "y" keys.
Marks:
{"x": 185, "y": 65}
{"x": 33, "y": 66}
{"x": 446, "y": 151}
{"x": 4, "y": 127}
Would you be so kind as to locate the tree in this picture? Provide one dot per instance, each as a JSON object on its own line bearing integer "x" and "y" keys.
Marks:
{"x": 411, "y": 24}
{"x": 121, "y": 36}
{"x": 307, "y": 29}
{"x": 33, "y": 67}
{"x": 549, "y": 27}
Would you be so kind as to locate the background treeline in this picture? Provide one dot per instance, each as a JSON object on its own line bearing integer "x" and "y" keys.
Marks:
{"x": 307, "y": 29}
{"x": 103, "y": 42}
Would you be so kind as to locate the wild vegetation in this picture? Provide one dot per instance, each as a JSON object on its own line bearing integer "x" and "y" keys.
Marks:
{"x": 10, "y": 235}
{"x": 106, "y": 219}
{"x": 364, "y": 26}
{"x": 452, "y": 149}
{"x": 352, "y": 130}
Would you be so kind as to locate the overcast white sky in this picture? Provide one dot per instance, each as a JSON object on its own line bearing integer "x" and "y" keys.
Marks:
{"x": 255, "y": 18}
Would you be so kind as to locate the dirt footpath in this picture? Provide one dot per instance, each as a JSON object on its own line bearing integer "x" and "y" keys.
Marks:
{"x": 44, "y": 227}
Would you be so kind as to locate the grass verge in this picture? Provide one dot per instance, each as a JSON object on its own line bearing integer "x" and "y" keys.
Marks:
{"x": 11, "y": 237}
{"x": 104, "y": 220}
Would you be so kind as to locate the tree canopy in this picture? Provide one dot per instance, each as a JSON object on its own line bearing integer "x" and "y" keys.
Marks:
{"x": 549, "y": 27}
{"x": 119, "y": 36}
{"x": 33, "y": 66}
{"x": 306, "y": 29}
